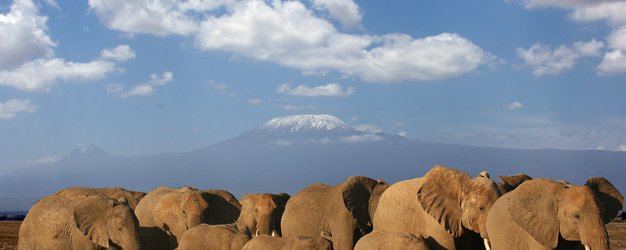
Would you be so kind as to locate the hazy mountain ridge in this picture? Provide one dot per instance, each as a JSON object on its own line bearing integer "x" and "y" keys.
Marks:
{"x": 257, "y": 161}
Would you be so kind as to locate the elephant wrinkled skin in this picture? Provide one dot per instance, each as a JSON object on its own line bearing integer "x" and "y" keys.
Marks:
{"x": 440, "y": 206}
{"x": 265, "y": 242}
{"x": 91, "y": 222}
{"x": 381, "y": 240}
{"x": 206, "y": 236}
{"x": 547, "y": 214}
{"x": 344, "y": 210}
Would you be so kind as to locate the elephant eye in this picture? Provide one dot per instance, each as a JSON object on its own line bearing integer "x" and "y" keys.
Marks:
{"x": 185, "y": 213}
{"x": 482, "y": 209}
{"x": 577, "y": 216}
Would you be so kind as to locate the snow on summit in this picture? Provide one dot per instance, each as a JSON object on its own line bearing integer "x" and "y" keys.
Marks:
{"x": 294, "y": 123}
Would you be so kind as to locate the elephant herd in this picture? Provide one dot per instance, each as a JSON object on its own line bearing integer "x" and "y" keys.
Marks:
{"x": 444, "y": 209}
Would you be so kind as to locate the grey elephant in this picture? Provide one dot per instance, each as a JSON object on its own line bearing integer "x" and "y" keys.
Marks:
{"x": 442, "y": 206}
{"x": 166, "y": 213}
{"x": 344, "y": 210}
{"x": 547, "y": 214}
{"x": 382, "y": 240}
{"x": 261, "y": 213}
{"x": 88, "y": 222}
{"x": 217, "y": 237}
{"x": 266, "y": 242}
{"x": 130, "y": 198}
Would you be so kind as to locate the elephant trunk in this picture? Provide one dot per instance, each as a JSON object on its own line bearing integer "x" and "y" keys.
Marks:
{"x": 593, "y": 235}
{"x": 264, "y": 224}
{"x": 193, "y": 221}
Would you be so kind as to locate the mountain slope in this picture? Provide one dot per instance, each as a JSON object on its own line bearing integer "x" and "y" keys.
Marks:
{"x": 288, "y": 154}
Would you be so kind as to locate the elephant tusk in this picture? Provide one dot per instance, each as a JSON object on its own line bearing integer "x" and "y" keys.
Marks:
{"x": 487, "y": 245}
{"x": 587, "y": 247}
{"x": 274, "y": 233}
{"x": 257, "y": 233}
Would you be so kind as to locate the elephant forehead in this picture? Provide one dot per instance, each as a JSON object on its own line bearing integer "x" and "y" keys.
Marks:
{"x": 265, "y": 200}
{"x": 579, "y": 196}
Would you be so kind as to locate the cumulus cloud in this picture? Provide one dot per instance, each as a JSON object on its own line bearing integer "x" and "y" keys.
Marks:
{"x": 544, "y": 60}
{"x": 362, "y": 138}
{"x": 368, "y": 128}
{"x": 10, "y": 108}
{"x": 614, "y": 62}
{"x": 345, "y": 11}
{"x": 24, "y": 35}
{"x": 292, "y": 34}
{"x": 42, "y": 74}
{"x": 515, "y": 105}
{"x": 143, "y": 89}
{"x": 120, "y": 53}
{"x": 332, "y": 89}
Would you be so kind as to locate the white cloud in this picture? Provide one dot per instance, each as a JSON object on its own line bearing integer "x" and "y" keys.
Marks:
{"x": 255, "y": 101}
{"x": 368, "y": 128}
{"x": 515, "y": 105}
{"x": 53, "y": 4}
{"x": 143, "y": 89}
{"x": 42, "y": 74}
{"x": 621, "y": 148}
{"x": 293, "y": 35}
{"x": 614, "y": 62}
{"x": 617, "y": 39}
{"x": 345, "y": 11}
{"x": 295, "y": 107}
{"x": 46, "y": 160}
{"x": 10, "y": 108}
{"x": 544, "y": 60}
{"x": 402, "y": 133}
{"x": 612, "y": 11}
{"x": 24, "y": 35}
{"x": 160, "y": 18}
{"x": 222, "y": 88}
{"x": 362, "y": 138}
{"x": 120, "y": 53}
{"x": 331, "y": 89}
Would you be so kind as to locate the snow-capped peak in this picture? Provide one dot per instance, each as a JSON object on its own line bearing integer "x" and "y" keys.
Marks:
{"x": 294, "y": 123}
{"x": 87, "y": 148}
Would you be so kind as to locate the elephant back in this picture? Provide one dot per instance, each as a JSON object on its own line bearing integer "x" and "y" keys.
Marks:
{"x": 144, "y": 209}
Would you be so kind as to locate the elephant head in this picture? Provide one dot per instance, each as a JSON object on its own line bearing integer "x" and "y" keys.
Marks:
{"x": 546, "y": 208}
{"x": 261, "y": 213}
{"x": 107, "y": 222}
{"x": 127, "y": 197}
{"x": 180, "y": 210}
{"x": 457, "y": 201}
{"x": 360, "y": 196}
{"x": 510, "y": 182}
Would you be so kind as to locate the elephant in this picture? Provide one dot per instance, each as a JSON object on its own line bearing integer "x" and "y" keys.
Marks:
{"x": 261, "y": 213}
{"x": 206, "y": 236}
{"x": 510, "y": 182}
{"x": 88, "y": 222}
{"x": 166, "y": 213}
{"x": 344, "y": 211}
{"x": 547, "y": 214}
{"x": 390, "y": 240}
{"x": 444, "y": 206}
{"x": 266, "y": 242}
{"x": 130, "y": 198}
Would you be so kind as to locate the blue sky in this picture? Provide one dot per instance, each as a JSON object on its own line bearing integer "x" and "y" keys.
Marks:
{"x": 147, "y": 76}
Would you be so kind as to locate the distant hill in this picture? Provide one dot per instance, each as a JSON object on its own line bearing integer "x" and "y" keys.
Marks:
{"x": 289, "y": 153}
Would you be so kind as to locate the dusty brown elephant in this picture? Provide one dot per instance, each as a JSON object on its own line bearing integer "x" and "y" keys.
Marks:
{"x": 440, "y": 206}
{"x": 382, "y": 240}
{"x": 510, "y": 182}
{"x": 166, "y": 213}
{"x": 344, "y": 210}
{"x": 213, "y": 237}
{"x": 91, "y": 222}
{"x": 546, "y": 214}
{"x": 261, "y": 213}
{"x": 266, "y": 242}
{"x": 130, "y": 198}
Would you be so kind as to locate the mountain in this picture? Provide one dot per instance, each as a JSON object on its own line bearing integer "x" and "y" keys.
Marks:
{"x": 288, "y": 153}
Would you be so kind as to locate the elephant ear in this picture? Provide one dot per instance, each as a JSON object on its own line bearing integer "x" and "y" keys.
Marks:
{"x": 611, "y": 198}
{"x": 168, "y": 214}
{"x": 440, "y": 194}
{"x": 90, "y": 215}
{"x": 356, "y": 199}
{"x": 533, "y": 206}
{"x": 513, "y": 181}
{"x": 281, "y": 199}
